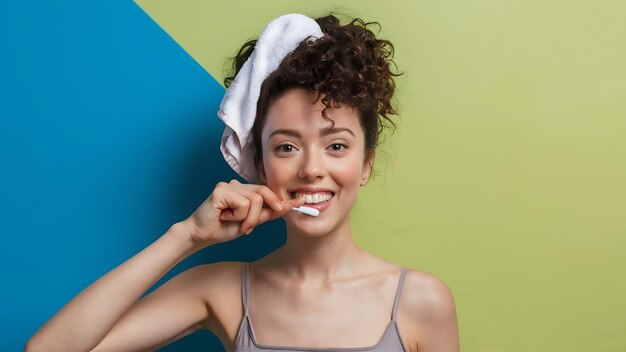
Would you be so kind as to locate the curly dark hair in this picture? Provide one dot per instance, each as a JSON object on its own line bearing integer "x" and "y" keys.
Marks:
{"x": 347, "y": 65}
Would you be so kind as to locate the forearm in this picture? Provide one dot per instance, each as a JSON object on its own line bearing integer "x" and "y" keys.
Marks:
{"x": 85, "y": 320}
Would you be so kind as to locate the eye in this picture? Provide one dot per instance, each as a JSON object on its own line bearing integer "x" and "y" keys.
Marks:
{"x": 285, "y": 148}
{"x": 337, "y": 147}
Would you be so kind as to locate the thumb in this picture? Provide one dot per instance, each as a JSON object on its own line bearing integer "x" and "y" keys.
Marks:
{"x": 294, "y": 203}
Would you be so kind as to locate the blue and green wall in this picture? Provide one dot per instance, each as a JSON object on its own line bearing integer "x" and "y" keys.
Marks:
{"x": 506, "y": 177}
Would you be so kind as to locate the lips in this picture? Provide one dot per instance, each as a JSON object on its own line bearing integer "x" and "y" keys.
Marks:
{"x": 320, "y": 206}
{"x": 307, "y": 190}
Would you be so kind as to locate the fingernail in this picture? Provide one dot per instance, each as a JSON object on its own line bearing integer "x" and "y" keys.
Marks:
{"x": 248, "y": 232}
{"x": 279, "y": 206}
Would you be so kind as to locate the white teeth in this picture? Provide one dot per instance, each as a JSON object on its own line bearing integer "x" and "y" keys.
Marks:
{"x": 315, "y": 197}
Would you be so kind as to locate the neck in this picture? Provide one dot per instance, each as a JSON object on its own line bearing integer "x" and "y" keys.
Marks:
{"x": 319, "y": 257}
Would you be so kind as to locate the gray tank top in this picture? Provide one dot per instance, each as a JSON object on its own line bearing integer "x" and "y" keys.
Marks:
{"x": 246, "y": 340}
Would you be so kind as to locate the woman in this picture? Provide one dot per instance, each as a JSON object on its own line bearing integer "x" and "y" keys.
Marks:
{"x": 317, "y": 122}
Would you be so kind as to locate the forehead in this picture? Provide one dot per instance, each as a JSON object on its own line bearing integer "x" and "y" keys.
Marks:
{"x": 295, "y": 110}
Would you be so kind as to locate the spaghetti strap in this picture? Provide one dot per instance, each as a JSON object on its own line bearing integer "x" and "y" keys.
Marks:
{"x": 244, "y": 287}
{"x": 396, "y": 301}
{"x": 245, "y": 341}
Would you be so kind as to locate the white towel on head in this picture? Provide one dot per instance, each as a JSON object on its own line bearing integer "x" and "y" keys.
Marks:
{"x": 238, "y": 107}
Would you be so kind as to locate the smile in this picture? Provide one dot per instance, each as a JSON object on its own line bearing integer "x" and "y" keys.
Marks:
{"x": 317, "y": 200}
{"x": 313, "y": 198}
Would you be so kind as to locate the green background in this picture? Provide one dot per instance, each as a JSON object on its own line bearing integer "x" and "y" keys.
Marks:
{"x": 507, "y": 175}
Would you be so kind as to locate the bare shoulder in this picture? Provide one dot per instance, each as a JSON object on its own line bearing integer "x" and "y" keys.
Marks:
{"x": 216, "y": 273}
{"x": 216, "y": 281}
{"x": 428, "y": 303}
{"x": 219, "y": 285}
{"x": 427, "y": 294}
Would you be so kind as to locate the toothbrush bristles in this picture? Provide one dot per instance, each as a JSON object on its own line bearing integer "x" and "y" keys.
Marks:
{"x": 308, "y": 211}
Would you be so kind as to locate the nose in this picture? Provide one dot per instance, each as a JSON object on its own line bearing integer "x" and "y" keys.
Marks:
{"x": 313, "y": 165}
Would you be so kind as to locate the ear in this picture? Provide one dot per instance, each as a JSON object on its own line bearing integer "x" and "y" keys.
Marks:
{"x": 367, "y": 168}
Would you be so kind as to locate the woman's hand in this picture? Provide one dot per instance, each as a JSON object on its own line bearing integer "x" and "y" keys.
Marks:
{"x": 234, "y": 209}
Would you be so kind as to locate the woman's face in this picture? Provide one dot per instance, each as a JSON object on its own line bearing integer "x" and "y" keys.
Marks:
{"x": 301, "y": 155}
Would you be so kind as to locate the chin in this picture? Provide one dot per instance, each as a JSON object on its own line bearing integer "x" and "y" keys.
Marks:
{"x": 309, "y": 226}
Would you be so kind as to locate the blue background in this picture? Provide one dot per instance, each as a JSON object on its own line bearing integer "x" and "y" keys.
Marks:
{"x": 109, "y": 135}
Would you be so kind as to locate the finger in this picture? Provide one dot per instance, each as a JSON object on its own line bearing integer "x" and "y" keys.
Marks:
{"x": 268, "y": 214}
{"x": 224, "y": 202}
{"x": 256, "y": 204}
{"x": 227, "y": 215}
{"x": 237, "y": 207}
{"x": 270, "y": 198}
{"x": 250, "y": 191}
{"x": 295, "y": 202}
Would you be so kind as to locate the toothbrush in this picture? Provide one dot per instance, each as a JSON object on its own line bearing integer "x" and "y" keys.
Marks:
{"x": 307, "y": 211}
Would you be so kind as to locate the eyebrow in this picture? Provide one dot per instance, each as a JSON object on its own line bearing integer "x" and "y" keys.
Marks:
{"x": 323, "y": 132}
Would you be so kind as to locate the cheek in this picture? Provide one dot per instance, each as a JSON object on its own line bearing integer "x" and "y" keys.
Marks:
{"x": 278, "y": 171}
{"x": 347, "y": 173}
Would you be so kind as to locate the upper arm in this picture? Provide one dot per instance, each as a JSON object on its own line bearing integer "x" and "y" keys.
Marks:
{"x": 436, "y": 313}
{"x": 172, "y": 311}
